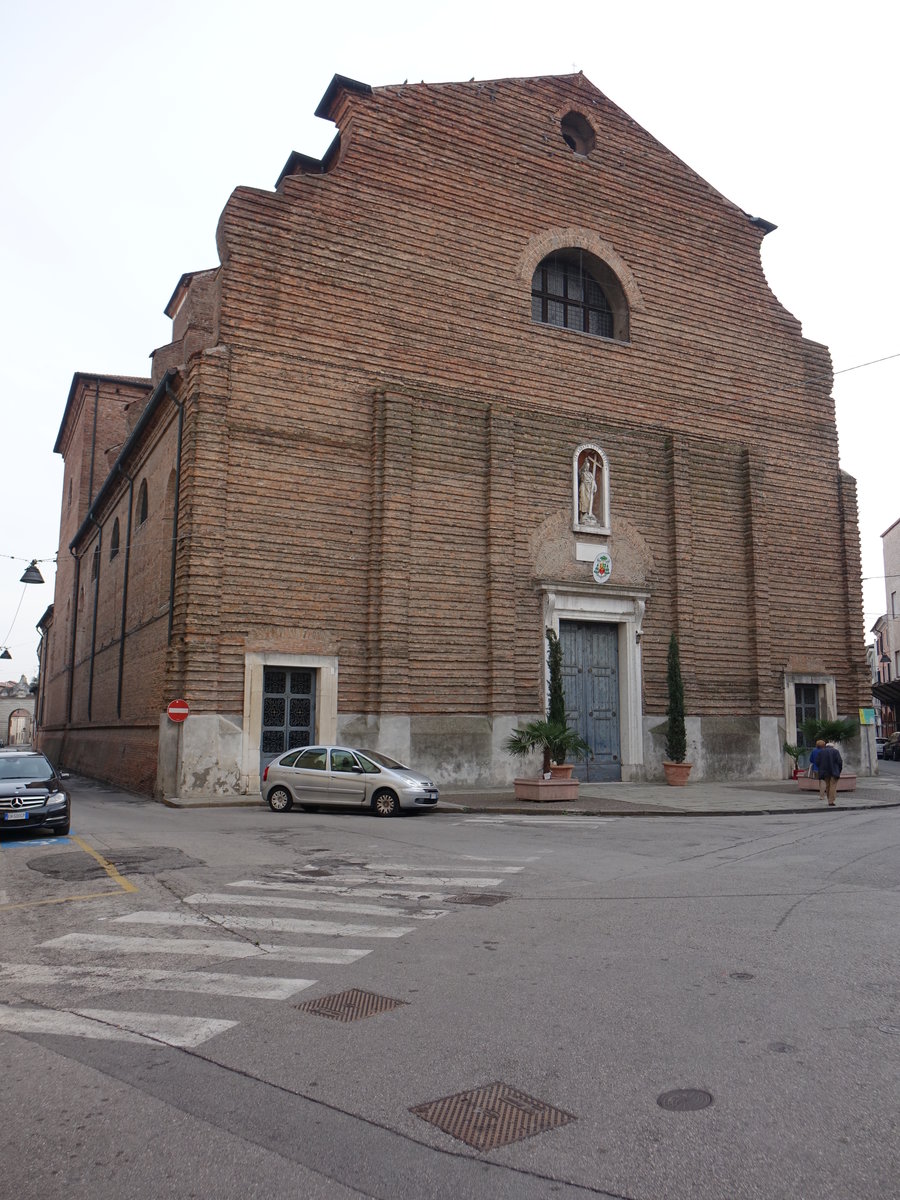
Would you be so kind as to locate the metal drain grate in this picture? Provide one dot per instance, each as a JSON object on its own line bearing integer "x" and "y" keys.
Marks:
{"x": 491, "y": 1116}
{"x": 351, "y": 1005}
{"x": 485, "y": 900}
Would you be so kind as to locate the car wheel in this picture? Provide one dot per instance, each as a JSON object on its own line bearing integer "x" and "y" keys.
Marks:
{"x": 62, "y": 830}
{"x": 280, "y": 800}
{"x": 385, "y": 804}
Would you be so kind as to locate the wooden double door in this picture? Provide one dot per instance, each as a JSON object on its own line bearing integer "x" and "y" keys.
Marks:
{"x": 590, "y": 652}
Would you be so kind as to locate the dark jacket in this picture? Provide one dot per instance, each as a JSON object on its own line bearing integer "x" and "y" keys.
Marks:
{"x": 830, "y": 762}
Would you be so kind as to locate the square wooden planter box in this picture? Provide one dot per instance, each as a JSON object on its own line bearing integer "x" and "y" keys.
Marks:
{"x": 545, "y": 791}
{"x": 846, "y": 783}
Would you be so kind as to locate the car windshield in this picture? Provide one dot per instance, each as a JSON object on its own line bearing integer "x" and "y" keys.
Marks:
{"x": 382, "y": 760}
{"x": 24, "y": 766}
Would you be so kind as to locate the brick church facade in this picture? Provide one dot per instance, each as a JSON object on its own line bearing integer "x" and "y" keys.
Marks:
{"x": 498, "y": 362}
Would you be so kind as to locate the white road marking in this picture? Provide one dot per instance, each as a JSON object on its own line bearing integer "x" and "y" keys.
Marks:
{"x": 105, "y": 1025}
{"x": 413, "y": 880}
{"x": 148, "y": 979}
{"x": 273, "y": 924}
{"x": 379, "y": 867}
{"x": 111, "y": 943}
{"x": 512, "y": 819}
{"x": 369, "y": 910}
{"x": 313, "y": 885}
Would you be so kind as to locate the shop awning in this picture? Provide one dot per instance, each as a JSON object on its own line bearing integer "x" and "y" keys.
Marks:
{"x": 887, "y": 693}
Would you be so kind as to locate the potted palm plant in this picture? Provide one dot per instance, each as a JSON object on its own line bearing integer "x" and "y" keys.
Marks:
{"x": 553, "y": 738}
{"x": 794, "y": 753}
{"x": 676, "y": 769}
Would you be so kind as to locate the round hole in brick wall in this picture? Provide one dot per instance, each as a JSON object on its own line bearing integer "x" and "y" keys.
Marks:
{"x": 578, "y": 133}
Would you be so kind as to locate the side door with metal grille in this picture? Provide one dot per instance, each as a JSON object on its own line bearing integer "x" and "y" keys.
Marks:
{"x": 288, "y": 711}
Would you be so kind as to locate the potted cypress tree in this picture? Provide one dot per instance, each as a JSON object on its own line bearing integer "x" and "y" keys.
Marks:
{"x": 676, "y": 769}
{"x": 553, "y": 738}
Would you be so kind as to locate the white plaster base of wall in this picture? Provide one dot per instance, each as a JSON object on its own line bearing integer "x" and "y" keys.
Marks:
{"x": 204, "y": 755}
{"x": 200, "y": 756}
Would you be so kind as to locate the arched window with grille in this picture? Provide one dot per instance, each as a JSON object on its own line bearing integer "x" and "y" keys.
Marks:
{"x": 573, "y": 289}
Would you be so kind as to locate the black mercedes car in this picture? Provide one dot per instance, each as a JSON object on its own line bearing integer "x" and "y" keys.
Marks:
{"x": 32, "y": 793}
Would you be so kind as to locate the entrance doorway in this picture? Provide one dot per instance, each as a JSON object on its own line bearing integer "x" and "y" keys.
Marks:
{"x": 288, "y": 711}
{"x": 590, "y": 653}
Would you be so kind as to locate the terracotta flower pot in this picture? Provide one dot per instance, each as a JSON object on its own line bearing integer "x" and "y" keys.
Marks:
{"x": 676, "y": 773}
{"x": 561, "y": 770}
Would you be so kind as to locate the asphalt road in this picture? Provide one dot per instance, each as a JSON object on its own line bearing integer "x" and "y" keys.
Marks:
{"x": 152, "y": 965}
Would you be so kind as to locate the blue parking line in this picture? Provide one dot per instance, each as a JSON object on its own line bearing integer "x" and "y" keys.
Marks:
{"x": 50, "y": 841}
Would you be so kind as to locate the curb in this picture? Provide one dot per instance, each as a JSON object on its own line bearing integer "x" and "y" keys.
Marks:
{"x": 174, "y": 802}
{"x": 673, "y": 812}
{"x": 550, "y": 809}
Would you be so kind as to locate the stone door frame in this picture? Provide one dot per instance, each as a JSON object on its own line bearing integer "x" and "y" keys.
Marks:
{"x": 611, "y": 605}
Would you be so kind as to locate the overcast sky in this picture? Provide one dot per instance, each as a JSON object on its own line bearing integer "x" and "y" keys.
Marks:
{"x": 126, "y": 126}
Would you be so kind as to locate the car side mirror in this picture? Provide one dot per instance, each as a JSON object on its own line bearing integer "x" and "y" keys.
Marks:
{"x": 64, "y": 775}
{"x": 357, "y": 769}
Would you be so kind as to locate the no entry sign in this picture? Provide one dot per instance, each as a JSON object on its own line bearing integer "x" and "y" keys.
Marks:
{"x": 178, "y": 710}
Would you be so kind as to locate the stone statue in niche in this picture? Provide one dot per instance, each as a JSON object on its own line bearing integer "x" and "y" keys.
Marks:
{"x": 591, "y": 466}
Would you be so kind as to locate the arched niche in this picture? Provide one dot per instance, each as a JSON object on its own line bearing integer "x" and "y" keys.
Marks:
{"x": 590, "y": 489}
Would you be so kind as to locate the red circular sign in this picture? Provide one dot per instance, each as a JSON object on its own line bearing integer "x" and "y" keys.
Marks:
{"x": 178, "y": 710}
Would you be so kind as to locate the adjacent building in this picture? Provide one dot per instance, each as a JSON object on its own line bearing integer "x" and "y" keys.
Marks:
{"x": 887, "y": 633}
{"x": 498, "y": 362}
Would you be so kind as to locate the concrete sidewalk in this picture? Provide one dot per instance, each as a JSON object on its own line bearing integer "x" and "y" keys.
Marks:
{"x": 639, "y": 800}
{"x": 696, "y": 799}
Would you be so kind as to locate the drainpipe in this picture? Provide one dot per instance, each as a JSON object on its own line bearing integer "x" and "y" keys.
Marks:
{"x": 179, "y": 404}
{"x": 98, "y": 555}
{"x": 74, "y": 634}
{"x": 125, "y": 566}
{"x": 93, "y": 443}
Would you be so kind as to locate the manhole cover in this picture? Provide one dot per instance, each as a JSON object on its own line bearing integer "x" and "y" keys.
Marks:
{"x": 485, "y": 901}
{"x": 351, "y": 1005}
{"x": 149, "y": 860}
{"x": 742, "y": 975}
{"x": 684, "y": 1100}
{"x": 491, "y": 1116}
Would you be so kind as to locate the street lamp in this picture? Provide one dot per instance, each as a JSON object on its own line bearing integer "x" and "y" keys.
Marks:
{"x": 31, "y": 574}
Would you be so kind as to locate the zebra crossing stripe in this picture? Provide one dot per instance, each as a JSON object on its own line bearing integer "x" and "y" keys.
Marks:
{"x": 107, "y": 1025}
{"x": 456, "y": 881}
{"x": 147, "y": 979}
{"x": 371, "y": 910}
{"x": 406, "y": 867}
{"x": 272, "y": 924}
{"x": 110, "y": 943}
{"x": 525, "y": 819}
{"x": 344, "y": 889}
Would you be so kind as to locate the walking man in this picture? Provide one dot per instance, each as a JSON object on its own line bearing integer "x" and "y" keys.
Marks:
{"x": 814, "y": 755}
{"x": 830, "y": 766}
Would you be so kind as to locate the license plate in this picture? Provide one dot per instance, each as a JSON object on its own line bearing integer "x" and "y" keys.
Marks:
{"x": 16, "y": 816}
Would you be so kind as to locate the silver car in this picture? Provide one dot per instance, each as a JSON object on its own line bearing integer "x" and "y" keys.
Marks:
{"x": 324, "y": 775}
